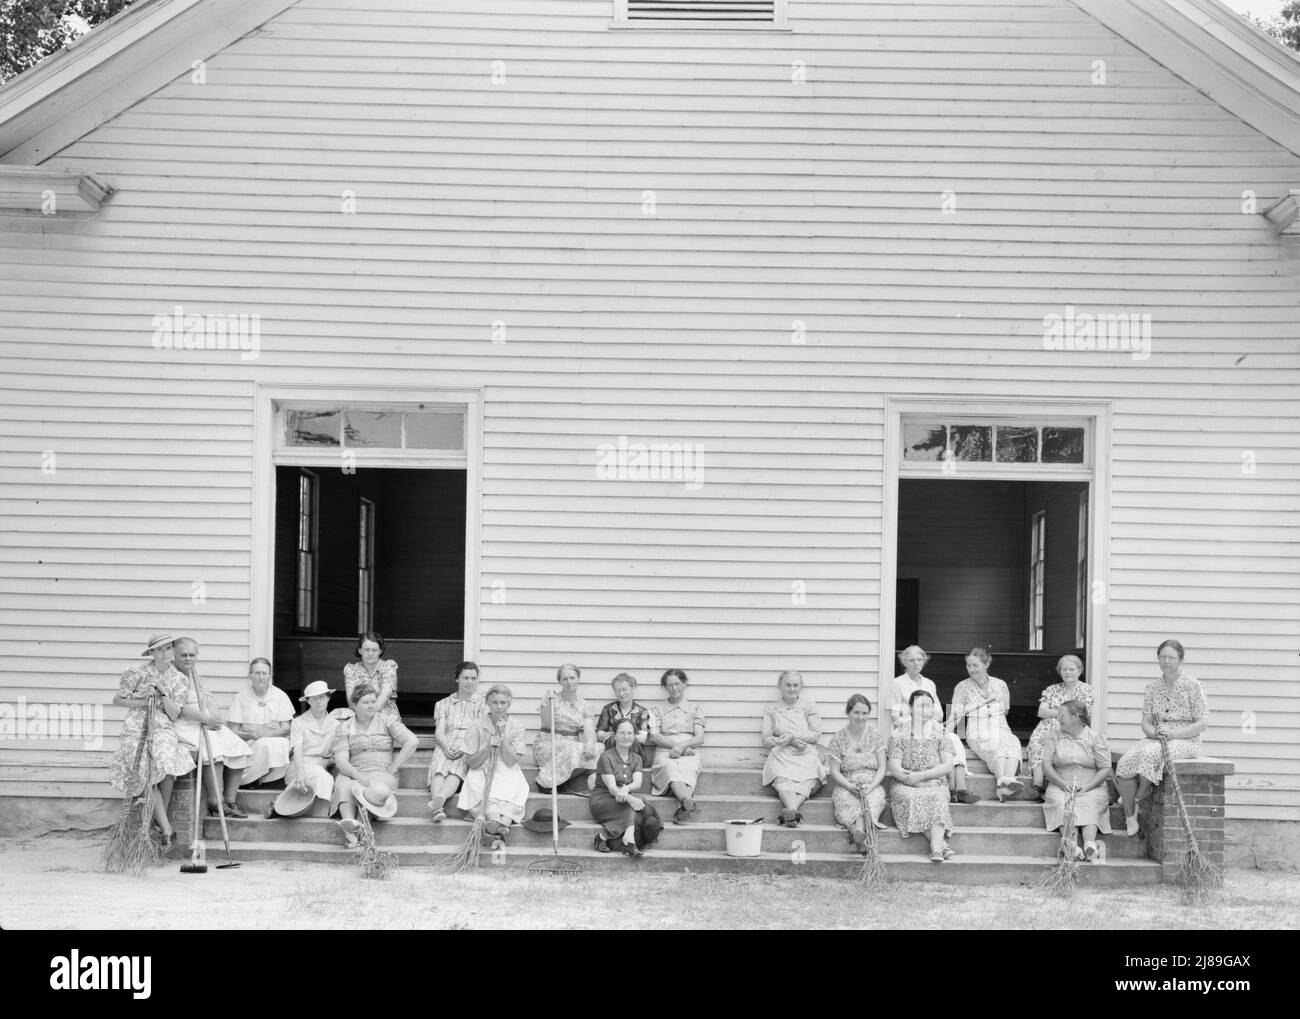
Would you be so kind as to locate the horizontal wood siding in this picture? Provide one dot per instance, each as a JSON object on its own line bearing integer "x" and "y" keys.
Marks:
{"x": 783, "y": 210}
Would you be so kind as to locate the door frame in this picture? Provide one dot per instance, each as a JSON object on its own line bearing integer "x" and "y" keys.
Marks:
{"x": 1098, "y": 414}
{"x": 266, "y": 397}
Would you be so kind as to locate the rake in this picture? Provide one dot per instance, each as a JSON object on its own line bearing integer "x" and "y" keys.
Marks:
{"x": 554, "y": 865}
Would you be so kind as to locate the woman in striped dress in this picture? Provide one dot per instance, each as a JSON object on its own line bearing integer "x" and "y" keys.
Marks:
{"x": 453, "y": 717}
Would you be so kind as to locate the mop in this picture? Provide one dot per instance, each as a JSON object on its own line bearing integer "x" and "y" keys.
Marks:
{"x": 1199, "y": 879}
{"x": 130, "y": 844}
{"x": 872, "y": 874}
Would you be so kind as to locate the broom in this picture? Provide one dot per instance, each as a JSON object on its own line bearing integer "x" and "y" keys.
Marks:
{"x": 466, "y": 857}
{"x": 1199, "y": 880}
{"x": 130, "y": 844}
{"x": 872, "y": 873}
{"x": 1065, "y": 878}
{"x": 375, "y": 863}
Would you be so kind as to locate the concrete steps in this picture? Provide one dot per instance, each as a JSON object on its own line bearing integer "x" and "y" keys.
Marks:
{"x": 995, "y": 842}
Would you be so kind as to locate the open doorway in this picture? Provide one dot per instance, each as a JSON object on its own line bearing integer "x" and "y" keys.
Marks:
{"x": 1002, "y": 563}
{"x": 370, "y": 549}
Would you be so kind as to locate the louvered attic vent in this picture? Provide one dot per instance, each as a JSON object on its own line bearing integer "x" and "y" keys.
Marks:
{"x": 700, "y": 13}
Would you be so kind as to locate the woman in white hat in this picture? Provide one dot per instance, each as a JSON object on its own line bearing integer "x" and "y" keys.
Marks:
{"x": 369, "y": 752}
{"x": 164, "y": 758}
{"x": 312, "y": 736}
{"x": 496, "y": 741}
{"x": 260, "y": 715}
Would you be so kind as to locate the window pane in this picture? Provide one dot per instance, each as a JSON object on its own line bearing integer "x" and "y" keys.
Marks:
{"x": 1062, "y": 445}
{"x": 311, "y": 428}
{"x": 373, "y": 428}
{"x": 435, "y": 431}
{"x": 924, "y": 441}
{"x": 1017, "y": 445}
{"x": 972, "y": 442}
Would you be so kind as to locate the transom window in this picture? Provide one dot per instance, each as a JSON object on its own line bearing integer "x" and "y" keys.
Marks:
{"x": 360, "y": 428}
{"x": 731, "y": 14}
{"x": 1020, "y": 443}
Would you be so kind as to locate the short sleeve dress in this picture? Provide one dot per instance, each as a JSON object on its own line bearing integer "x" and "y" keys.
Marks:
{"x": 1077, "y": 759}
{"x": 1053, "y": 697}
{"x": 558, "y": 757}
{"x": 675, "y": 723}
{"x": 919, "y": 808}
{"x": 385, "y": 674}
{"x": 370, "y": 750}
{"x": 612, "y": 713}
{"x": 453, "y": 717}
{"x": 1182, "y": 705}
{"x": 858, "y": 759}
{"x": 508, "y": 796}
{"x": 270, "y": 754}
{"x": 987, "y": 732}
{"x": 801, "y": 771}
{"x": 165, "y": 756}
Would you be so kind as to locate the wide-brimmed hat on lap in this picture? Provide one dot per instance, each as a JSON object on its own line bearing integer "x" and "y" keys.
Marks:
{"x": 293, "y": 802}
{"x": 383, "y": 810}
{"x": 155, "y": 642}
{"x": 541, "y": 821}
{"x": 315, "y": 689}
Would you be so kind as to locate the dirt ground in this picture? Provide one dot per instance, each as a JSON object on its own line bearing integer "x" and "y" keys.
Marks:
{"x": 57, "y": 882}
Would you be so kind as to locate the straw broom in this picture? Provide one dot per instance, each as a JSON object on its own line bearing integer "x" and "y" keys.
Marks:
{"x": 1065, "y": 878}
{"x": 872, "y": 874}
{"x": 466, "y": 858}
{"x": 1199, "y": 880}
{"x": 375, "y": 863}
{"x": 130, "y": 846}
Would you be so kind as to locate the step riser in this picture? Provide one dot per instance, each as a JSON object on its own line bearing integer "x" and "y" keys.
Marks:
{"x": 899, "y": 870}
{"x": 686, "y": 838}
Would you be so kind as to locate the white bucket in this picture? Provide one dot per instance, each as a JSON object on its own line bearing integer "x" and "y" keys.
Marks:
{"x": 744, "y": 838}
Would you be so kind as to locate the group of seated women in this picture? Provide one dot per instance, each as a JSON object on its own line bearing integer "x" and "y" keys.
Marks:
{"x": 350, "y": 759}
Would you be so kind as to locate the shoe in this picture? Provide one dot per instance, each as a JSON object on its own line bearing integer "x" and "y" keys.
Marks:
{"x": 235, "y": 810}
{"x": 1090, "y": 852}
{"x": 270, "y": 814}
{"x": 349, "y": 828}
{"x": 859, "y": 839}
{"x": 681, "y": 816}
{"x": 630, "y": 849}
{"x": 936, "y": 856}
{"x": 165, "y": 843}
{"x": 949, "y": 852}
{"x": 439, "y": 816}
{"x": 601, "y": 844}
{"x": 1014, "y": 785}
{"x": 689, "y": 806}
{"x": 788, "y": 819}
{"x": 1131, "y": 825}
{"x": 964, "y": 796}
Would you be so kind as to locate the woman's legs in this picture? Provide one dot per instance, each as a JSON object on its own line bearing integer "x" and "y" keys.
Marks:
{"x": 162, "y": 797}
{"x": 1128, "y": 794}
{"x": 791, "y": 799}
{"x": 442, "y": 789}
{"x": 936, "y": 837}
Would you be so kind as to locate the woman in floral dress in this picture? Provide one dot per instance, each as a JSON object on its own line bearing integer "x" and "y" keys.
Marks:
{"x": 676, "y": 730}
{"x": 857, "y": 754}
{"x": 1173, "y": 708}
{"x": 1077, "y": 759}
{"x": 625, "y": 706}
{"x": 792, "y": 728}
{"x": 164, "y": 758}
{"x": 374, "y": 671}
{"x": 1070, "y": 688}
{"x": 568, "y": 755}
{"x": 919, "y": 762}
{"x": 453, "y": 717}
{"x": 984, "y": 701}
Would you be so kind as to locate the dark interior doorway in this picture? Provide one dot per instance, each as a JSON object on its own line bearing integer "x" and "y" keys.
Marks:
{"x": 379, "y": 545}
{"x": 997, "y": 563}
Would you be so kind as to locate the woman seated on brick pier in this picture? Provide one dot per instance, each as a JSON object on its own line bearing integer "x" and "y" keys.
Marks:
{"x": 495, "y": 743}
{"x": 792, "y": 728}
{"x": 1076, "y": 761}
{"x": 858, "y": 770}
{"x": 368, "y": 766}
{"x": 565, "y": 750}
{"x": 983, "y": 701}
{"x": 1174, "y": 709}
{"x": 919, "y": 763}
{"x": 629, "y": 822}
{"x": 676, "y": 730}
{"x": 260, "y": 715}
{"x": 228, "y": 753}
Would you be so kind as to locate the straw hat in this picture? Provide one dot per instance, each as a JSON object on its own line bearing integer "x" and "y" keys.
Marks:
{"x": 541, "y": 821}
{"x": 155, "y": 642}
{"x": 315, "y": 689}
{"x": 383, "y": 811}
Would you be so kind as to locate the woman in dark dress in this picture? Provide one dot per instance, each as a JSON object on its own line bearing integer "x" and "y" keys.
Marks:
{"x": 627, "y": 820}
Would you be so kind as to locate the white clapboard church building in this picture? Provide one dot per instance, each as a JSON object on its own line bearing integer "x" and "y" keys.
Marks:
{"x": 727, "y": 335}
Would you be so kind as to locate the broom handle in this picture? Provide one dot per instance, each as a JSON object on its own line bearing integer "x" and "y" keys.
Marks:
{"x": 198, "y": 772}
{"x": 221, "y": 807}
{"x": 555, "y": 796}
